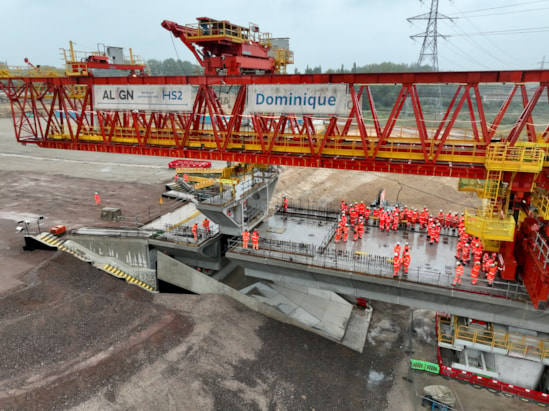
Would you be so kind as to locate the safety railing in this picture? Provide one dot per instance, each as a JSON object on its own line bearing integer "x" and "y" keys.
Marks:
{"x": 379, "y": 266}
{"x": 312, "y": 209}
{"x": 515, "y": 344}
{"x": 542, "y": 249}
{"x": 493, "y": 339}
{"x": 540, "y": 200}
{"x": 247, "y": 184}
{"x": 444, "y": 330}
{"x": 484, "y": 224}
{"x": 527, "y": 159}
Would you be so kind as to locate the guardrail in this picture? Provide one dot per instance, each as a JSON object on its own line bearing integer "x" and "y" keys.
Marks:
{"x": 374, "y": 266}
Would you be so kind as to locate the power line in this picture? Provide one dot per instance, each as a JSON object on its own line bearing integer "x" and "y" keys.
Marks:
{"x": 505, "y": 7}
{"x": 498, "y": 32}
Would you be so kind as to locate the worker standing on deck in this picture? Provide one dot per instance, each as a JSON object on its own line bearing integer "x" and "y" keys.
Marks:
{"x": 409, "y": 214}
{"x": 396, "y": 250}
{"x": 361, "y": 209}
{"x": 466, "y": 253}
{"x": 360, "y": 228}
{"x": 486, "y": 263}
{"x": 245, "y": 238}
{"x": 345, "y": 233}
{"x": 415, "y": 216}
{"x": 396, "y": 264}
{"x": 375, "y": 216}
{"x": 339, "y": 232}
{"x": 284, "y": 204}
{"x": 440, "y": 217}
{"x": 343, "y": 207}
{"x": 448, "y": 220}
{"x": 396, "y": 218}
{"x": 405, "y": 262}
{"x": 477, "y": 253}
{"x": 367, "y": 213}
{"x": 195, "y": 231}
{"x": 431, "y": 231}
{"x": 459, "y": 273}
{"x": 461, "y": 224}
{"x": 382, "y": 220}
{"x": 388, "y": 220}
{"x": 206, "y": 226}
{"x": 423, "y": 218}
{"x": 475, "y": 271}
{"x": 491, "y": 275}
{"x": 437, "y": 232}
{"x": 255, "y": 240}
{"x": 459, "y": 246}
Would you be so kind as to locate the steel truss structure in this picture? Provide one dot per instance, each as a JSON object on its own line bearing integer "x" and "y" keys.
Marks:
{"x": 502, "y": 150}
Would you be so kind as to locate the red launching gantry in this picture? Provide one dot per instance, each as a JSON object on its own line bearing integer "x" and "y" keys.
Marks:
{"x": 220, "y": 46}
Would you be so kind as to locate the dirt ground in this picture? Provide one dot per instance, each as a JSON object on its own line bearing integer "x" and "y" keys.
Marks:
{"x": 76, "y": 338}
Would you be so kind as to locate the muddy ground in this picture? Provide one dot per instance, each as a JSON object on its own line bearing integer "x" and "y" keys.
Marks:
{"x": 76, "y": 338}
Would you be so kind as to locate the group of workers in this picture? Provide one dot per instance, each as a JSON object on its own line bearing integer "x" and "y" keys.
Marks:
{"x": 246, "y": 239}
{"x": 485, "y": 262}
{"x": 358, "y": 215}
{"x": 205, "y": 227}
{"x": 401, "y": 261}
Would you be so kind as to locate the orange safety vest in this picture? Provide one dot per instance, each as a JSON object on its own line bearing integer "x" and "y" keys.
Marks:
{"x": 255, "y": 237}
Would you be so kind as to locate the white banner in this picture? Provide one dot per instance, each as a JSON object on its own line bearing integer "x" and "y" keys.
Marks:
{"x": 323, "y": 99}
{"x": 140, "y": 97}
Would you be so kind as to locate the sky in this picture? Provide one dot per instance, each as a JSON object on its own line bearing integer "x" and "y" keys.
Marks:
{"x": 477, "y": 35}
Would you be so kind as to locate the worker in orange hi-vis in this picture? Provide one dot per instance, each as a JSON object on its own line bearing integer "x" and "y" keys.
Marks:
{"x": 477, "y": 253}
{"x": 345, "y": 233}
{"x": 466, "y": 253}
{"x": 355, "y": 232}
{"x": 406, "y": 262}
{"x": 255, "y": 240}
{"x": 245, "y": 238}
{"x": 396, "y": 218}
{"x": 459, "y": 246}
{"x": 437, "y": 232}
{"x": 360, "y": 228}
{"x": 338, "y": 234}
{"x": 491, "y": 275}
{"x": 361, "y": 209}
{"x": 388, "y": 221}
{"x": 431, "y": 232}
{"x": 97, "y": 198}
{"x": 475, "y": 271}
{"x": 382, "y": 220}
{"x": 206, "y": 226}
{"x": 284, "y": 204}
{"x": 195, "y": 231}
{"x": 396, "y": 249}
{"x": 459, "y": 273}
{"x": 396, "y": 264}
{"x": 367, "y": 213}
{"x": 375, "y": 215}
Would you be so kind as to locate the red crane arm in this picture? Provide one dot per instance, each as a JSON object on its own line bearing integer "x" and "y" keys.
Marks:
{"x": 181, "y": 32}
